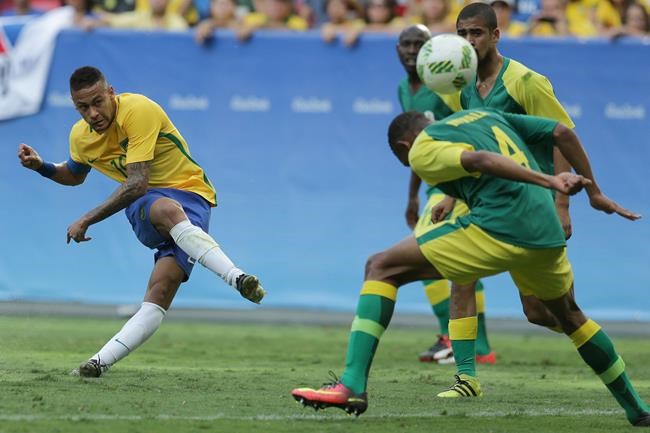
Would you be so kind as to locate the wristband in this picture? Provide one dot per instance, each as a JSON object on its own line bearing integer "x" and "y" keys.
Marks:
{"x": 47, "y": 169}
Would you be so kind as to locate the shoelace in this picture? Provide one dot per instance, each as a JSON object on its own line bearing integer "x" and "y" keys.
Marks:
{"x": 459, "y": 384}
{"x": 459, "y": 381}
{"x": 333, "y": 382}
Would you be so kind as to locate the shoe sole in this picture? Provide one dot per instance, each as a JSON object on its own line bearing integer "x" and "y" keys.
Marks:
{"x": 351, "y": 408}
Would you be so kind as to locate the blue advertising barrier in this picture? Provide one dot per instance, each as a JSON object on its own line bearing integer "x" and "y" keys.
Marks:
{"x": 292, "y": 132}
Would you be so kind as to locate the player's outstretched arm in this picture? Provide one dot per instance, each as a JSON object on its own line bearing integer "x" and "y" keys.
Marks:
{"x": 59, "y": 173}
{"x": 500, "y": 166}
{"x": 134, "y": 187}
{"x": 569, "y": 144}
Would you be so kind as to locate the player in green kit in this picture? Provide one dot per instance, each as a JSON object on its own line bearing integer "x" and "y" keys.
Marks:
{"x": 507, "y": 85}
{"x": 415, "y": 96}
{"x": 482, "y": 157}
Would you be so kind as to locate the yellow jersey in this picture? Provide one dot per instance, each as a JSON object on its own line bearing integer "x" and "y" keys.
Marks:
{"x": 141, "y": 131}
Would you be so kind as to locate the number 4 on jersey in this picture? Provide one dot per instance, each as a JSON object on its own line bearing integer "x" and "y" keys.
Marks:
{"x": 509, "y": 148}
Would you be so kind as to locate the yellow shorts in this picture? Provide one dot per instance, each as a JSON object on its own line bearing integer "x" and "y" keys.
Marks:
{"x": 466, "y": 254}
{"x": 425, "y": 225}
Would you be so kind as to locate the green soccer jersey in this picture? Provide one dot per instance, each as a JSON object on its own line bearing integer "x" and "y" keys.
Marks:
{"x": 425, "y": 101}
{"x": 521, "y": 90}
{"x": 518, "y": 213}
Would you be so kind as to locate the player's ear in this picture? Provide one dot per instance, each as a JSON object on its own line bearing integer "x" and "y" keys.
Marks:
{"x": 404, "y": 146}
{"x": 496, "y": 35}
{"x": 111, "y": 91}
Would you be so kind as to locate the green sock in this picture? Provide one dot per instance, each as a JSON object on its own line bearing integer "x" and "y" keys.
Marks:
{"x": 482, "y": 343}
{"x": 597, "y": 350}
{"x": 437, "y": 292}
{"x": 462, "y": 333}
{"x": 441, "y": 310}
{"x": 374, "y": 311}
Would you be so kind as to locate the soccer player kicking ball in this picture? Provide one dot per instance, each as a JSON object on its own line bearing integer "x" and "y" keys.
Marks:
{"x": 513, "y": 227}
{"x": 166, "y": 195}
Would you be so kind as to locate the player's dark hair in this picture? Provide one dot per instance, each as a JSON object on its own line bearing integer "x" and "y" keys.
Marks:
{"x": 85, "y": 77}
{"x": 479, "y": 10}
{"x": 411, "y": 122}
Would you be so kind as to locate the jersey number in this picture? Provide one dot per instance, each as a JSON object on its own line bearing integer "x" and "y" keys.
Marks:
{"x": 508, "y": 148}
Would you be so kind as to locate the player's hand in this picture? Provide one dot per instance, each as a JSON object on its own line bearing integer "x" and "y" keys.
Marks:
{"x": 602, "y": 203}
{"x": 77, "y": 231}
{"x": 440, "y": 211}
{"x": 412, "y": 209}
{"x": 565, "y": 220}
{"x": 29, "y": 158}
{"x": 568, "y": 183}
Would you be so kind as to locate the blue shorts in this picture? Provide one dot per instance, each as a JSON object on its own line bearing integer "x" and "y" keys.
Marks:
{"x": 196, "y": 208}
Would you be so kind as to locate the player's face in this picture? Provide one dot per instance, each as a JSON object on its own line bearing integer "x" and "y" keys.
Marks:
{"x": 408, "y": 47}
{"x": 479, "y": 35}
{"x": 96, "y": 104}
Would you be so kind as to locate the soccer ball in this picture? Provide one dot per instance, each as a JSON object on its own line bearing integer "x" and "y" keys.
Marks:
{"x": 447, "y": 63}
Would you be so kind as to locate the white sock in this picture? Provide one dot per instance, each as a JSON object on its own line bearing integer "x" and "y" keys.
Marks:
{"x": 201, "y": 247}
{"x": 134, "y": 332}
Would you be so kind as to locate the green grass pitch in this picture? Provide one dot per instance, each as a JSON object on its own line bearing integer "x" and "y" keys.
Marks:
{"x": 212, "y": 377}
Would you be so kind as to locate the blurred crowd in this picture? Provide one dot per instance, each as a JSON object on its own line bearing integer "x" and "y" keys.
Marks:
{"x": 348, "y": 19}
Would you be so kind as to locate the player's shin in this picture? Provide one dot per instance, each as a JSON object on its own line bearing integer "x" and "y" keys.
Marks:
{"x": 482, "y": 343}
{"x": 203, "y": 248}
{"x": 597, "y": 350}
{"x": 437, "y": 292}
{"x": 462, "y": 333}
{"x": 374, "y": 311}
{"x": 135, "y": 331}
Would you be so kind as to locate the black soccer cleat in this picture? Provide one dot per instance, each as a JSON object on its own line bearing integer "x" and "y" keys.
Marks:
{"x": 643, "y": 420}
{"x": 249, "y": 287}
{"x": 92, "y": 368}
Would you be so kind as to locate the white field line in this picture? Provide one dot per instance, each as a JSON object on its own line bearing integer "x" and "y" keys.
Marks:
{"x": 221, "y": 416}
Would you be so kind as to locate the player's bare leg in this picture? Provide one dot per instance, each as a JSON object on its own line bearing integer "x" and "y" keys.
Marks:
{"x": 385, "y": 272}
{"x": 170, "y": 220}
{"x": 537, "y": 313}
{"x": 163, "y": 284}
{"x": 597, "y": 350}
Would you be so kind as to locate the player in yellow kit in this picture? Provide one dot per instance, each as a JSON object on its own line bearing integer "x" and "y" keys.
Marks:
{"x": 166, "y": 195}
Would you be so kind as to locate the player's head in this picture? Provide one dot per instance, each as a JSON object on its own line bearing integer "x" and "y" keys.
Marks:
{"x": 477, "y": 23}
{"x": 93, "y": 98}
{"x": 402, "y": 133}
{"x": 408, "y": 46}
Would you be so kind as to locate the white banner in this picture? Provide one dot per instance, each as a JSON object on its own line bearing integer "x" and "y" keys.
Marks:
{"x": 24, "y": 67}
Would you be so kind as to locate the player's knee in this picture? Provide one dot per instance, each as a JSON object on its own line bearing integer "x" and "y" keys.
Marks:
{"x": 537, "y": 317}
{"x": 165, "y": 213}
{"x": 537, "y": 313}
{"x": 376, "y": 266}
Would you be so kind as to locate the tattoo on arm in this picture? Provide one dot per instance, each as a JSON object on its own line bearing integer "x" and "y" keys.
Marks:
{"x": 134, "y": 187}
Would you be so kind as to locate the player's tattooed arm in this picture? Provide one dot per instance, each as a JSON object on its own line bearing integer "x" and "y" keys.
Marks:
{"x": 134, "y": 187}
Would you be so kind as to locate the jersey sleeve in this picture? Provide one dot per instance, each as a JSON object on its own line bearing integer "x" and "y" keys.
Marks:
{"x": 539, "y": 99}
{"x": 437, "y": 161}
{"x": 535, "y": 131}
{"x": 74, "y": 148}
{"x": 142, "y": 124}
